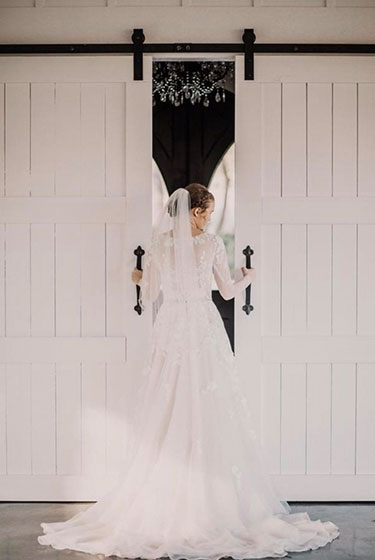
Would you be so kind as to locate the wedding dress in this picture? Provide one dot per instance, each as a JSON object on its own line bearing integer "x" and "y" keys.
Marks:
{"x": 194, "y": 485}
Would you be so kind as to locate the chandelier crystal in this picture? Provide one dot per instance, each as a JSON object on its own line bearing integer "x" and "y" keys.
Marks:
{"x": 177, "y": 81}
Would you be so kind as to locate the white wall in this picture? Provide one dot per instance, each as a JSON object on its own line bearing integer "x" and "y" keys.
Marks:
{"x": 333, "y": 21}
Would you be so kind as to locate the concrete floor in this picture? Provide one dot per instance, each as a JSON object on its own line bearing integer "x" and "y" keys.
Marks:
{"x": 20, "y": 526}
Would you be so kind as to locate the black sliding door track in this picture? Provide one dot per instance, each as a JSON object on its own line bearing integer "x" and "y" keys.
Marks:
{"x": 138, "y": 47}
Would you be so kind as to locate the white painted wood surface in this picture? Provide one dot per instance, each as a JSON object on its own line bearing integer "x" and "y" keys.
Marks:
{"x": 312, "y": 182}
{"x": 69, "y": 222}
{"x": 66, "y": 298}
{"x": 186, "y": 3}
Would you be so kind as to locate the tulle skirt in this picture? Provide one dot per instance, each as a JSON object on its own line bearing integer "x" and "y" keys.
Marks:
{"x": 193, "y": 484}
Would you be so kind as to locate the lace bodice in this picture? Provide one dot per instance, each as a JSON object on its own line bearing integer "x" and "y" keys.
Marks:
{"x": 212, "y": 261}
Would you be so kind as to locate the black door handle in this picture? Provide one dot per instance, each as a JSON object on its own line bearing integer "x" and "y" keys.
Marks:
{"x": 139, "y": 252}
{"x": 248, "y": 307}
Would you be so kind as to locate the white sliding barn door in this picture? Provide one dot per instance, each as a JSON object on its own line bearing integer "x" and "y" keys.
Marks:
{"x": 305, "y": 202}
{"x": 75, "y": 177}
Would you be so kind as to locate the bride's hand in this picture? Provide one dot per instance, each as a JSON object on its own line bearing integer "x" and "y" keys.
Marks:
{"x": 136, "y": 275}
{"x": 248, "y": 272}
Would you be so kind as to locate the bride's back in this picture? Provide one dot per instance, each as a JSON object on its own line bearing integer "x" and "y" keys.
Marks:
{"x": 204, "y": 248}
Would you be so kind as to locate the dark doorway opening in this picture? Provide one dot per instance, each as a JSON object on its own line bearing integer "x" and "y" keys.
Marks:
{"x": 193, "y": 142}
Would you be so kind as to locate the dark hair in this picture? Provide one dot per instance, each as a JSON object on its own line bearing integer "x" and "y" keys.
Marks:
{"x": 200, "y": 196}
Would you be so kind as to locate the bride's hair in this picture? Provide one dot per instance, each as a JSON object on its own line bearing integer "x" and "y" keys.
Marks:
{"x": 200, "y": 196}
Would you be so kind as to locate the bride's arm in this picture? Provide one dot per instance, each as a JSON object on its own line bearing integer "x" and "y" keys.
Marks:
{"x": 227, "y": 288}
{"x": 150, "y": 281}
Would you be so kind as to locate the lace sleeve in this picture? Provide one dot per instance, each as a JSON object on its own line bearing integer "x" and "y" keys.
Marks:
{"x": 227, "y": 288}
{"x": 150, "y": 281}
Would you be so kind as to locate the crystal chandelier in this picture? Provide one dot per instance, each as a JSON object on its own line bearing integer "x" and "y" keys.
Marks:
{"x": 177, "y": 81}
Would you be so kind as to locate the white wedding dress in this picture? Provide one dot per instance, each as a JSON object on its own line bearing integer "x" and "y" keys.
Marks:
{"x": 194, "y": 485}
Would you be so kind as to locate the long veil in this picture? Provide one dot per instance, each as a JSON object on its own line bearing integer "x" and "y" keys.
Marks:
{"x": 171, "y": 257}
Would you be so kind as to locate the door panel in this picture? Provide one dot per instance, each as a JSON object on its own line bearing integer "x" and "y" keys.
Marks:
{"x": 76, "y": 154}
{"x": 305, "y": 204}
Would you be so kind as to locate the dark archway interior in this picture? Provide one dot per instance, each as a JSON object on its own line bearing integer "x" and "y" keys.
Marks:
{"x": 188, "y": 143}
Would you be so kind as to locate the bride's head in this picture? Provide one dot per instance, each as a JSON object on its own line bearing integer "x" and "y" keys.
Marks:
{"x": 202, "y": 204}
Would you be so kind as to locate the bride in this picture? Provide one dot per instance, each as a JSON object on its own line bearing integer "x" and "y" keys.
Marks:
{"x": 193, "y": 484}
